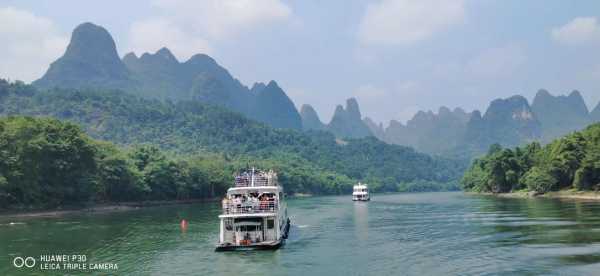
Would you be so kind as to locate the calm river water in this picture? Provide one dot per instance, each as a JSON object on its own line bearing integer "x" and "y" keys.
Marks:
{"x": 394, "y": 234}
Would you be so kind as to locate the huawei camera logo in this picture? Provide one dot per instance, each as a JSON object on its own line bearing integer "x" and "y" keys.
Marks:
{"x": 28, "y": 262}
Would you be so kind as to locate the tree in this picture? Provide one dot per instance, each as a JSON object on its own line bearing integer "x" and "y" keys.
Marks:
{"x": 588, "y": 175}
{"x": 571, "y": 161}
{"x": 45, "y": 161}
{"x": 119, "y": 179}
{"x": 539, "y": 180}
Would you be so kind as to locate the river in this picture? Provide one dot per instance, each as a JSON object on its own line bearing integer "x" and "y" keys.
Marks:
{"x": 394, "y": 234}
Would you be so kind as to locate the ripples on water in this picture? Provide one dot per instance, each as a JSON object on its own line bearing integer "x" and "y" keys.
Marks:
{"x": 395, "y": 234}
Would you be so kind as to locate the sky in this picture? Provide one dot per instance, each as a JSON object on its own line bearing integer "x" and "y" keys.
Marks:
{"x": 395, "y": 57}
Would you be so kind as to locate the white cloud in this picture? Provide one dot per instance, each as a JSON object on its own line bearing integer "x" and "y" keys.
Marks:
{"x": 401, "y": 22}
{"x": 188, "y": 27}
{"x": 218, "y": 18}
{"x": 29, "y": 44}
{"x": 577, "y": 31}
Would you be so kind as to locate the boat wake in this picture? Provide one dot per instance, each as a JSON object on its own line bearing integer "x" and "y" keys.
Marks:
{"x": 12, "y": 223}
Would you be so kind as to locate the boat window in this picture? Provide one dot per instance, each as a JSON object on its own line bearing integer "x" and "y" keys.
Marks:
{"x": 270, "y": 223}
{"x": 248, "y": 219}
{"x": 228, "y": 224}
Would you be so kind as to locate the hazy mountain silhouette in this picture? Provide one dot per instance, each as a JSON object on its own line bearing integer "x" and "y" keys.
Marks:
{"x": 310, "y": 119}
{"x": 430, "y": 132}
{"x": 560, "y": 115}
{"x": 508, "y": 122}
{"x": 347, "y": 122}
{"x": 91, "y": 61}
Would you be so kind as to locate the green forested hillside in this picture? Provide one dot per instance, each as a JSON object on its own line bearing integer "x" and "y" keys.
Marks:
{"x": 312, "y": 162}
{"x": 48, "y": 163}
{"x": 569, "y": 162}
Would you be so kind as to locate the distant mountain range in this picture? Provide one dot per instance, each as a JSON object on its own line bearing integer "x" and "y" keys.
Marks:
{"x": 509, "y": 122}
{"x": 91, "y": 61}
{"x": 346, "y": 122}
{"x": 559, "y": 115}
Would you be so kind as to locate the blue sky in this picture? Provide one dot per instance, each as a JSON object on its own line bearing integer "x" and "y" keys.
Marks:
{"x": 395, "y": 56}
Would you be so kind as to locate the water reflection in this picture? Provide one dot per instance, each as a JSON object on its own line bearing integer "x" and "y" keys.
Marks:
{"x": 560, "y": 232}
{"x": 361, "y": 221}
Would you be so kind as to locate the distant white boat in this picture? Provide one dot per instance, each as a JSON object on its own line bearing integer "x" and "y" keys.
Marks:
{"x": 360, "y": 192}
{"x": 254, "y": 213}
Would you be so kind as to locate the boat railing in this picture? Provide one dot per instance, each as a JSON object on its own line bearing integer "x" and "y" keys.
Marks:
{"x": 249, "y": 207}
{"x": 258, "y": 181}
{"x": 256, "y": 178}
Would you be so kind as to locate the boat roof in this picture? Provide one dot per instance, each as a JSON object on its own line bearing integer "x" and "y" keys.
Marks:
{"x": 251, "y": 215}
{"x": 274, "y": 189}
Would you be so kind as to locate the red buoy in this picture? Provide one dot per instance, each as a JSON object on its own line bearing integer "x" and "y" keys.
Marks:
{"x": 183, "y": 224}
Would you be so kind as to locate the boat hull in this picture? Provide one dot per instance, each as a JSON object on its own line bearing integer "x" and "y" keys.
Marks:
{"x": 368, "y": 199}
{"x": 260, "y": 246}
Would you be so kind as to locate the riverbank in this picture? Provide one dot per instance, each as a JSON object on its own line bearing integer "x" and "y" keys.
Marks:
{"x": 98, "y": 208}
{"x": 563, "y": 194}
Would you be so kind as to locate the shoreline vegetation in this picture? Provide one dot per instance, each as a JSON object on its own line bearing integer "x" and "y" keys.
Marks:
{"x": 568, "y": 167}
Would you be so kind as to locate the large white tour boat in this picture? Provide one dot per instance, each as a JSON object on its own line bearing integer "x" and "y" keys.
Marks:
{"x": 254, "y": 213}
{"x": 360, "y": 192}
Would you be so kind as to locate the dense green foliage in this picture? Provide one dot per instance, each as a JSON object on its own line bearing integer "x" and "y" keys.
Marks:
{"x": 308, "y": 162}
{"x": 48, "y": 163}
{"x": 569, "y": 162}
